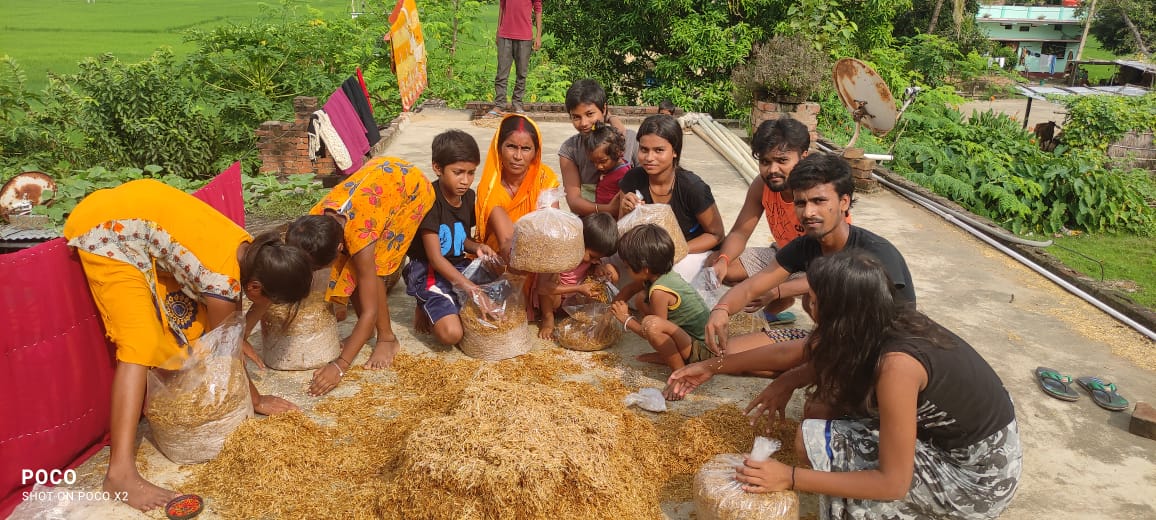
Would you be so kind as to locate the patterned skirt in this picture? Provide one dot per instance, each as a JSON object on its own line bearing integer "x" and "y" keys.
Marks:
{"x": 975, "y": 482}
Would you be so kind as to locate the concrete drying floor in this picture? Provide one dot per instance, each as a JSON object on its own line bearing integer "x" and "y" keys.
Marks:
{"x": 1079, "y": 460}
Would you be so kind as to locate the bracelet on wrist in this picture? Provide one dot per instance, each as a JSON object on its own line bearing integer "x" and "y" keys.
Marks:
{"x": 625, "y": 322}
{"x": 722, "y": 256}
{"x": 340, "y": 372}
{"x": 722, "y": 307}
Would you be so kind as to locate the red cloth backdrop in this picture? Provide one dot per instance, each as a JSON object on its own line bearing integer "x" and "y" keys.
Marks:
{"x": 56, "y": 366}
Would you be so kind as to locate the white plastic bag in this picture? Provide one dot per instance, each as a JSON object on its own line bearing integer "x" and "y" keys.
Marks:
{"x": 548, "y": 239}
{"x": 192, "y": 410}
{"x": 663, "y": 216}
{"x": 649, "y": 399}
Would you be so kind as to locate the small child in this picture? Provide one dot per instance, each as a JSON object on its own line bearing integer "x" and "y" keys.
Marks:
{"x": 675, "y": 316}
{"x": 438, "y": 256}
{"x": 607, "y": 149}
{"x": 600, "y": 236}
{"x": 666, "y": 107}
{"x": 586, "y": 104}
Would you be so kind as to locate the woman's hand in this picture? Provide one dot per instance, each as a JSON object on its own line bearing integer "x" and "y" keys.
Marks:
{"x": 772, "y": 400}
{"x": 764, "y": 477}
{"x": 587, "y": 289}
{"x": 629, "y": 202}
{"x": 340, "y": 311}
{"x": 325, "y": 379}
{"x": 716, "y": 330}
{"x": 684, "y": 380}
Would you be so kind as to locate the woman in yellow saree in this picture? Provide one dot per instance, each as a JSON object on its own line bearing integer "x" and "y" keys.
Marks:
{"x": 512, "y": 179}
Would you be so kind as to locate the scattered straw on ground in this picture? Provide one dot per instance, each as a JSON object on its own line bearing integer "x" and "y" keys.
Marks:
{"x": 464, "y": 439}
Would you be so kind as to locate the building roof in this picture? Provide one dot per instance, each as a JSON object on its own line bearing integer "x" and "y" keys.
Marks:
{"x": 1040, "y": 91}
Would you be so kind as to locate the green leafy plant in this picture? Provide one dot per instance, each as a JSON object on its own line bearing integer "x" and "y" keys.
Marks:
{"x": 1097, "y": 121}
{"x": 786, "y": 68}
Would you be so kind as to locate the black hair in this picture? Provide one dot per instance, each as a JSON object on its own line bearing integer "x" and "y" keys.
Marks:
{"x": 284, "y": 271}
{"x": 600, "y": 233}
{"x": 666, "y": 127}
{"x": 454, "y": 146}
{"x": 519, "y": 123}
{"x": 318, "y": 235}
{"x": 585, "y": 91}
{"x": 647, "y": 246}
{"x": 605, "y": 134}
{"x": 858, "y": 313}
{"x": 667, "y": 105}
{"x": 784, "y": 134}
{"x": 822, "y": 168}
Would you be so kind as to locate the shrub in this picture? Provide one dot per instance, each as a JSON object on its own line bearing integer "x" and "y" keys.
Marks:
{"x": 786, "y": 67}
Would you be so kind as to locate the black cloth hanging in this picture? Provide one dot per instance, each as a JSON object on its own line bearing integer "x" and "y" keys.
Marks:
{"x": 352, "y": 89}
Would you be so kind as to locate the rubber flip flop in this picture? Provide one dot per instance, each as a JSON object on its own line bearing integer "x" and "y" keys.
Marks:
{"x": 492, "y": 114}
{"x": 184, "y": 507}
{"x": 782, "y": 318}
{"x": 1103, "y": 394}
{"x": 1055, "y": 385}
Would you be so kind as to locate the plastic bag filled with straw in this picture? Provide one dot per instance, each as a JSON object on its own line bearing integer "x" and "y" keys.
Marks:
{"x": 192, "y": 410}
{"x": 663, "y": 216}
{"x": 589, "y": 327}
{"x": 718, "y": 496}
{"x": 301, "y": 337}
{"x": 494, "y": 320}
{"x": 548, "y": 239}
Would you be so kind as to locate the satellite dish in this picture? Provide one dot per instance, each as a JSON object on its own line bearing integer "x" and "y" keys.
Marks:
{"x": 866, "y": 95}
{"x": 23, "y": 191}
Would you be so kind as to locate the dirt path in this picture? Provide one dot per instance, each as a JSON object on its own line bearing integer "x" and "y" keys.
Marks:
{"x": 1042, "y": 111}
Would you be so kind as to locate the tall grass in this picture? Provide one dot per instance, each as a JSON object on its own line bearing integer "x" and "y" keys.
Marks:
{"x": 54, "y": 35}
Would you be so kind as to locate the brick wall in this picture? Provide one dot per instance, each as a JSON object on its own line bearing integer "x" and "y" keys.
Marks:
{"x": 806, "y": 113}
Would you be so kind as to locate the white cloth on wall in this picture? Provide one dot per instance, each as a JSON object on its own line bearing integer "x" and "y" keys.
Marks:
{"x": 325, "y": 133}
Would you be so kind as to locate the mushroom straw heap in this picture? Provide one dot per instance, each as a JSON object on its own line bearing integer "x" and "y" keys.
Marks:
{"x": 464, "y": 439}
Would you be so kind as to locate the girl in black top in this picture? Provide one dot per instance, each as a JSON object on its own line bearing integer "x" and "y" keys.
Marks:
{"x": 925, "y": 428}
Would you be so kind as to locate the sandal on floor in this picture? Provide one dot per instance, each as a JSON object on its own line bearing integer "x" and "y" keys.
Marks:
{"x": 492, "y": 114}
{"x": 782, "y": 318}
{"x": 1103, "y": 394}
{"x": 1055, "y": 385}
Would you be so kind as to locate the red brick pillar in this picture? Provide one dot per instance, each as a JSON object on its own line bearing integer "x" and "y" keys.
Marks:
{"x": 284, "y": 147}
{"x": 806, "y": 113}
{"x": 861, "y": 170}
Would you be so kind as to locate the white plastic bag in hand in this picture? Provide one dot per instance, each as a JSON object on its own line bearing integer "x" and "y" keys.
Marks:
{"x": 649, "y": 399}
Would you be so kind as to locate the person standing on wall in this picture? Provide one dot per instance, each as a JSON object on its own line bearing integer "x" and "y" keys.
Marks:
{"x": 516, "y": 39}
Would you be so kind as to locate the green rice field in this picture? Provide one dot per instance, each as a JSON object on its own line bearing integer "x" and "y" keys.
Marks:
{"x": 54, "y": 35}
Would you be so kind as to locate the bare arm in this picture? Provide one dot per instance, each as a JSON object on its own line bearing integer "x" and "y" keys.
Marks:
{"x": 736, "y": 241}
{"x": 538, "y": 30}
{"x": 572, "y": 182}
{"x": 897, "y": 388}
{"x": 367, "y": 288}
{"x": 711, "y": 221}
{"x": 433, "y": 251}
{"x": 219, "y": 309}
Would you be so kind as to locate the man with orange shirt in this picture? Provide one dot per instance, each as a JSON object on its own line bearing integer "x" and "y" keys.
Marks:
{"x": 516, "y": 39}
{"x": 778, "y": 145}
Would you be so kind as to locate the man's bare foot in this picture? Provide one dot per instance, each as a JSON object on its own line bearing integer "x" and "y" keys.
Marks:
{"x": 383, "y": 353}
{"x": 421, "y": 322}
{"x": 652, "y": 357}
{"x": 273, "y": 405}
{"x": 136, "y": 491}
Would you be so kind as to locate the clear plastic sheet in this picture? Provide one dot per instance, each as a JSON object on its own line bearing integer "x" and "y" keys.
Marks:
{"x": 589, "y": 327}
{"x": 192, "y": 410}
{"x": 493, "y": 319}
{"x": 548, "y": 239}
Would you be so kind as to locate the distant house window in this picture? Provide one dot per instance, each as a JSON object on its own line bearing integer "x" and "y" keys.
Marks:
{"x": 1057, "y": 27}
{"x": 1007, "y": 26}
{"x": 1025, "y": 28}
{"x": 1054, "y": 48}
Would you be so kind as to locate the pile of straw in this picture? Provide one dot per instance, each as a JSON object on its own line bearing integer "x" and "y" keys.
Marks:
{"x": 464, "y": 439}
{"x": 746, "y": 323}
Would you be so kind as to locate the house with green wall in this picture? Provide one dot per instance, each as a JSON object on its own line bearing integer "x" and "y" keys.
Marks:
{"x": 1045, "y": 34}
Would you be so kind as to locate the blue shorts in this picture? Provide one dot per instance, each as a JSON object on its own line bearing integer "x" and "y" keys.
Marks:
{"x": 433, "y": 292}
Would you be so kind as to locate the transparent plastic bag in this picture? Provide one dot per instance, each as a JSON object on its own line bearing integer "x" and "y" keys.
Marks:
{"x": 649, "y": 399}
{"x": 493, "y": 319}
{"x": 301, "y": 338}
{"x": 193, "y": 409}
{"x": 706, "y": 283}
{"x": 663, "y": 216}
{"x": 718, "y": 496}
{"x": 548, "y": 239}
{"x": 590, "y": 327}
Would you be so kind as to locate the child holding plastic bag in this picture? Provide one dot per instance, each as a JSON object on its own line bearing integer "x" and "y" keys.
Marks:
{"x": 600, "y": 240}
{"x": 165, "y": 268}
{"x": 675, "y": 315}
{"x": 438, "y": 256}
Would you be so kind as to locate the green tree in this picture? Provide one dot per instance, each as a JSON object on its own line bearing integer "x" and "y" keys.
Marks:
{"x": 1126, "y": 26}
